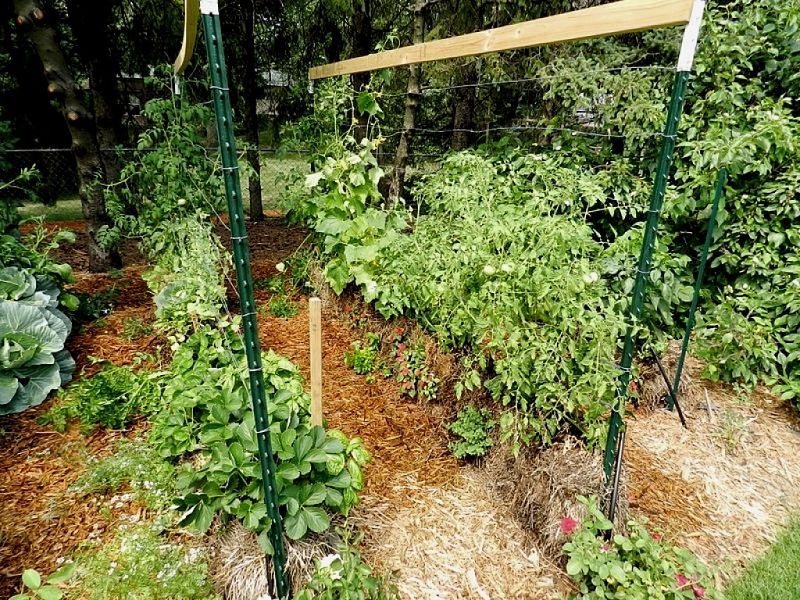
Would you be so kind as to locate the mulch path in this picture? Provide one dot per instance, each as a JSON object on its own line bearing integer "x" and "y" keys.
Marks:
{"x": 41, "y": 522}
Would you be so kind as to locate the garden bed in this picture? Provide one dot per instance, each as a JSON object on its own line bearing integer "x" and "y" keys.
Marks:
{"x": 723, "y": 488}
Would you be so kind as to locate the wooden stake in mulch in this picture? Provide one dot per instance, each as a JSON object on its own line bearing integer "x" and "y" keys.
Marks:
{"x": 315, "y": 330}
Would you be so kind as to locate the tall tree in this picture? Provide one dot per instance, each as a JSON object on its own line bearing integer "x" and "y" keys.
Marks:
{"x": 91, "y": 24}
{"x": 411, "y": 105}
{"x": 238, "y": 22}
{"x": 41, "y": 32}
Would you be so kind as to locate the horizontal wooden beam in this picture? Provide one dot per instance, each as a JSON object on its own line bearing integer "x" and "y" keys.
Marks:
{"x": 625, "y": 16}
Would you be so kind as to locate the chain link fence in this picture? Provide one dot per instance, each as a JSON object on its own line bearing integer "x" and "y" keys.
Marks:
{"x": 57, "y": 178}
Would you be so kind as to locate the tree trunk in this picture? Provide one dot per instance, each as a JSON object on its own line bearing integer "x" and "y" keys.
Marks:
{"x": 91, "y": 23}
{"x": 61, "y": 86}
{"x": 410, "y": 118}
{"x": 464, "y": 107}
{"x": 250, "y": 93}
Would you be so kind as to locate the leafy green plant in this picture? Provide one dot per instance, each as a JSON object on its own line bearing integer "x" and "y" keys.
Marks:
{"x": 94, "y": 306}
{"x": 140, "y": 563}
{"x": 111, "y": 398}
{"x": 33, "y": 333}
{"x": 411, "y": 368}
{"x": 364, "y": 360}
{"x": 33, "y": 252}
{"x": 44, "y": 588}
{"x": 282, "y": 306}
{"x": 134, "y": 328}
{"x": 189, "y": 277}
{"x": 170, "y": 178}
{"x": 338, "y": 201}
{"x": 208, "y": 415}
{"x": 345, "y": 576}
{"x": 474, "y": 427}
{"x": 636, "y": 566}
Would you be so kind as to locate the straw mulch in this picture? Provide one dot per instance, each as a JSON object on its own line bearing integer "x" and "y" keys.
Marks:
{"x": 454, "y": 541}
{"x": 725, "y": 486}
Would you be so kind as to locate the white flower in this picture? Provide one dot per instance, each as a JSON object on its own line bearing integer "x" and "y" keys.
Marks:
{"x": 336, "y": 575}
{"x": 281, "y": 267}
{"x": 489, "y": 270}
{"x": 590, "y": 278}
{"x": 182, "y": 202}
{"x": 506, "y": 268}
{"x": 327, "y": 561}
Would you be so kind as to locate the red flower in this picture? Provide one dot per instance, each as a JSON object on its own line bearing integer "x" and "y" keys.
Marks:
{"x": 568, "y": 525}
{"x": 401, "y": 347}
{"x": 605, "y": 547}
{"x": 699, "y": 591}
{"x": 656, "y": 536}
{"x": 681, "y": 580}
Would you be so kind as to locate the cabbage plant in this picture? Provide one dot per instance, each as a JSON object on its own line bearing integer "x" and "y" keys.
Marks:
{"x": 33, "y": 332}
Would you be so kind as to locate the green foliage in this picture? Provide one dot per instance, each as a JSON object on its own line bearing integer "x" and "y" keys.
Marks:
{"x": 188, "y": 277}
{"x": 134, "y": 464}
{"x": 364, "y": 360}
{"x": 93, "y": 306}
{"x": 134, "y": 328}
{"x": 33, "y": 252}
{"x": 11, "y": 189}
{"x": 111, "y": 398}
{"x": 47, "y": 588}
{"x": 169, "y": 179}
{"x": 474, "y": 427}
{"x": 33, "y": 334}
{"x": 139, "y": 563}
{"x": 208, "y": 415}
{"x": 339, "y": 202}
{"x": 345, "y": 576}
{"x": 506, "y": 267}
{"x": 637, "y": 566}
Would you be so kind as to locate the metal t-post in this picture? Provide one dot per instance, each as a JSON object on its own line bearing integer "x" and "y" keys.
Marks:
{"x": 615, "y": 441}
{"x": 241, "y": 256}
{"x": 722, "y": 177}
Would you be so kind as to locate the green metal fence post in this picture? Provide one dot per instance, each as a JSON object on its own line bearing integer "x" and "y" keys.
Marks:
{"x": 241, "y": 255}
{"x": 722, "y": 177}
{"x": 616, "y": 440}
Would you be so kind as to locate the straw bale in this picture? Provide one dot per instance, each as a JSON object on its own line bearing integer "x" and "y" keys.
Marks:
{"x": 542, "y": 486}
{"x": 241, "y": 571}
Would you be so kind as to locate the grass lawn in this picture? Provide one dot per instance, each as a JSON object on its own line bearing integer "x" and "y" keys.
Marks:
{"x": 65, "y": 209}
{"x": 774, "y": 576}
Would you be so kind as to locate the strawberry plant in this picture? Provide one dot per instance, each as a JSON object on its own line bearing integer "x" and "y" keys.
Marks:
{"x": 208, "y": 416}
{"x": 364, "y": 360}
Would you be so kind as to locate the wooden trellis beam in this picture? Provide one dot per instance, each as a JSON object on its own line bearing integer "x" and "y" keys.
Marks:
{"x": 625, "y": 16}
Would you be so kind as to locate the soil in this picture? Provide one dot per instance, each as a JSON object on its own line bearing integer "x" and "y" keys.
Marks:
{"x": 723, "y": 487}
